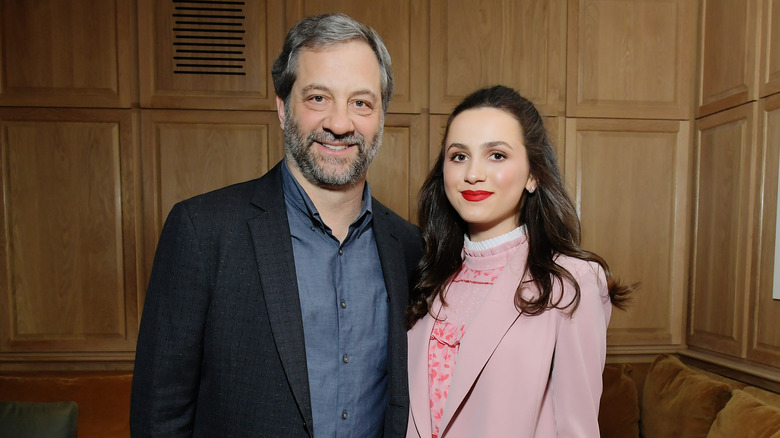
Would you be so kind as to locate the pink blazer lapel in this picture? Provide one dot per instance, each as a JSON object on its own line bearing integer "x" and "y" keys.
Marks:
{"x": 419, "y": 402}
{"x": 484, "y": 333}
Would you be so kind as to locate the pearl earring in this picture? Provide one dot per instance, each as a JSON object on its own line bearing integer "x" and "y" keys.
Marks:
{"x": 532, "y": 189}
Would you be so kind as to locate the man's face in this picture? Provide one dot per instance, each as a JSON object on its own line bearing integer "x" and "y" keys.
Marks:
{"x": 333, "y": 120}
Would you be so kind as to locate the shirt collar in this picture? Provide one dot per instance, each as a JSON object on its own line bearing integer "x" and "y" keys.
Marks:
{"x": 297, "y": 197}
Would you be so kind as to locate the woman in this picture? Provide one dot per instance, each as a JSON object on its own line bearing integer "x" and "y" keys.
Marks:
{"x": 509, "y": 315}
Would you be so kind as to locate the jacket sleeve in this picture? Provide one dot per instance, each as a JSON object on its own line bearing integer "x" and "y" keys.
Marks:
{"x": 580, "y": 354}
{"x": 169, "y": 350}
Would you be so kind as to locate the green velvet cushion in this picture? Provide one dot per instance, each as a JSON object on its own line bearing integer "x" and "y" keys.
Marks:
{"x": 38, "y": 420}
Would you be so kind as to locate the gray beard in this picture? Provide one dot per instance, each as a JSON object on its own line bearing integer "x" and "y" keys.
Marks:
{"x": 314, "y": 168}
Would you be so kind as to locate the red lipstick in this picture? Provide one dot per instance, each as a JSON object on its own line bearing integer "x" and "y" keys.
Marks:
{"x": 475, "y": 195}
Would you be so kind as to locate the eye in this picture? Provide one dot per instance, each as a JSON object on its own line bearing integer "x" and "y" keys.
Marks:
{"x": 497, "y": 156}
{"x": 318, "y": 99}
{"x": 363, "y": 107}
{"x": 458, "y": 157}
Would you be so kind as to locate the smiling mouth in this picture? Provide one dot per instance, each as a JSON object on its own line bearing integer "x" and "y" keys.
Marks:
{"x": 475, "y": 195}
{"x": 335, "y": 147}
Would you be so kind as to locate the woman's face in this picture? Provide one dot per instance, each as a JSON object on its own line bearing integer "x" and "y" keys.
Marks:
{"x": 486, "y": 170}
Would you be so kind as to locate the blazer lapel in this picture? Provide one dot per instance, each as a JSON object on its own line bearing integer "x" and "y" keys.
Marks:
{"x": 274, "y": 253}
{"x": 396, "y": 279}
{"x": 494, "y": 318}
{"x": 419, "y": 399}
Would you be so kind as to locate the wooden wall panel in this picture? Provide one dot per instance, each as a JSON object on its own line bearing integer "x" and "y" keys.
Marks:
{"x": 727, "y": 56}
{"x": 69, "y": 232}
{"x": 720, "y": 263}
{"x": 403, "y": 26}
{"x": 764, "y": 312}
{"x": 770, "y": 48}
{"x": 631, "y": 59}
{"x": 186, "y": 153}
{"x": 630, "y": 182}
{"x": 76, "y": 53}
{"x": 438, "y": 123}
{"x": 205, "y": 56}
{"x": 521, "y": 44}
{"x": 397, "y": 173}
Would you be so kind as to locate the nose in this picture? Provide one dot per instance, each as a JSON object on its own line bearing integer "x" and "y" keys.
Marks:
{"x": 475, "y": 172}
{"x": 338, "y": 121}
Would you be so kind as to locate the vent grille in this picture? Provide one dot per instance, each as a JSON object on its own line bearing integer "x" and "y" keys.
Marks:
{"x": 208, "y": 37}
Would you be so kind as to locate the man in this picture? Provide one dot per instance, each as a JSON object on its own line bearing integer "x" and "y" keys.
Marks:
{"x": 276, "y": 306}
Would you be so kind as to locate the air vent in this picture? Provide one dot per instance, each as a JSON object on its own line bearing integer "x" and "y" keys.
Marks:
{"x": 209, "y": 37}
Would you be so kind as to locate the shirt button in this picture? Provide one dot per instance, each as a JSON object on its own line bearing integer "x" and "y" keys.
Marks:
{"x": 345, "y": 358}
{"x": 341, "y": 252}
{"x": 343, "y": 304}
{"x": 344, "y": 415}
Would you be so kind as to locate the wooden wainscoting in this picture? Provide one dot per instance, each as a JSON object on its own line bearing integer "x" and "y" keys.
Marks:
{"x": 75, "y": 53}
{"x": 69, "y": 245}
{"x": 763, "y": 311}
{"x": 720, "y": 264}
{"x": 617, "y": 70}
{"x": 630, "y": 183}
{"x": 477, "y": 44}
{"x": 727, "y": 71}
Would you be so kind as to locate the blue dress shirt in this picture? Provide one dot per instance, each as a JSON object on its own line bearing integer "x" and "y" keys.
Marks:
{"x": 345, "y": 317}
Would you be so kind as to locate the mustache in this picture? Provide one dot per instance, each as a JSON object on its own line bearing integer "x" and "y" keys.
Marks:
{"x": 326, "y": 136}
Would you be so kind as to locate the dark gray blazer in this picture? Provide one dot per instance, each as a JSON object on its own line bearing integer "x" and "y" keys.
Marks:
{"x": 220, "y": 348}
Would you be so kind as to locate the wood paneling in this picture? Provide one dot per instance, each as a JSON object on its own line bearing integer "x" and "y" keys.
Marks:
{"x": 186, "y": 153}
{"x": 598, "y": 69}
{"x": 207, "y": 56}
{"x": 76, "y": 53}
{"x": 521, "y": 44}
{"x": 727, "y": 56}
{"x": 68, "y": 270}
{"x": 397, "y": 173}
{"x": 631, "y": 58}
{"x": 769, "y": 76}
{"x": 436, "y": 135}
{"x": 764, "y": 312}
{"x": 720, "y": 264}
{"x": 630, "y": 182}
{"x": 403, "y": 26}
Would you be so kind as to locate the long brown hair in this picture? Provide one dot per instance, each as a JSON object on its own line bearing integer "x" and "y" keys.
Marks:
{"x": 548, "y": 213}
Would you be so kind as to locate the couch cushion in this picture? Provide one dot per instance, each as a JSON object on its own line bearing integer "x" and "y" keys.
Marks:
{"x": 619, "y": 409}
{"x": 103, "y": 397}
{"x": 36, "y": 420}
{"x": 770, "y": 398}
{"x": 679, "y": 401}
{"x": 745, "y": 416}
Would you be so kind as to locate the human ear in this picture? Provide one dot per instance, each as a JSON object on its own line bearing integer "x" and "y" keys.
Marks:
{"x": 280, "y": 111}
{"x": 531, "y": 184}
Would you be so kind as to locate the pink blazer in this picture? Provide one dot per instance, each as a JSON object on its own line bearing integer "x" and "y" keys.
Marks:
{"x": 520, "y": 376}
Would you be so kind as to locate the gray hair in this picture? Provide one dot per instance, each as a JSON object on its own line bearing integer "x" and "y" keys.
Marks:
{"x": 319, "y": 31}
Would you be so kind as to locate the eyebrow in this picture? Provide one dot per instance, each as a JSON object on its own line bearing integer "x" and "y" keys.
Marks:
{"x": 312, "y": 87}
{"x": 486, "y": 145}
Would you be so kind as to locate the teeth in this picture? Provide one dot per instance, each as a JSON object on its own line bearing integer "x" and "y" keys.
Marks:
{"x": 334, "y": 148}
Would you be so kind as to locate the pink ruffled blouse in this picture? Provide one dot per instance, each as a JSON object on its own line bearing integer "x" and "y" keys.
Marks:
{"x": 483, "y": 263}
